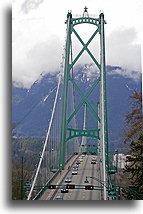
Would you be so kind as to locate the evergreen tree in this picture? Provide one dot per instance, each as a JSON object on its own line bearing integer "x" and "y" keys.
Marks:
{"x": 134, "y": 137}
{"x": 20, "y": 176}
{"x": 134, "y": 119}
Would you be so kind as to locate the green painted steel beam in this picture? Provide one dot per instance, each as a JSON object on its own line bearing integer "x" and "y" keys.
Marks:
{"x": 85, "y": 45}
{"x": 85, "y": 48}
{"x": 103, "y": 105}
{"x": 65, "y": 94}
{"x": 88, "y": 20}
{"x": 84, "y": 100}
{"x": 77, "y": 57}
{"x": 82, "y": 130}
{"x": 82, "y": 135}
{"x": 102, "y": 34}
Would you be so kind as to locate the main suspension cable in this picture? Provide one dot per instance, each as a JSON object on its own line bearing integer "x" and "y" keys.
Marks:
{"x": 47, "y": 137}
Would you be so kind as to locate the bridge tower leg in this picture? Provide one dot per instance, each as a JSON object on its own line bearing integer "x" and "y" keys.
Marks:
{"x": 65, "y": 91}
{"x": 103, "y": 108}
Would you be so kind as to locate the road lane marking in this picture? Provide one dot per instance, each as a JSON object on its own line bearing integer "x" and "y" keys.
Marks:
{"x": 84, "y": 195}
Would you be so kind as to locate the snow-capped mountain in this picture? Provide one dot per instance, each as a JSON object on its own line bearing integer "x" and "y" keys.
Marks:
{"x": 31, "y": 108}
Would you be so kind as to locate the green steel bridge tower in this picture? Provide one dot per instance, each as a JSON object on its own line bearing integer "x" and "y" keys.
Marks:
{"x": 101, "y": 133}
{"x": 70, "y": 129}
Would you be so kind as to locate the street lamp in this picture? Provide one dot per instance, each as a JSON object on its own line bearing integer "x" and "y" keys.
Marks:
{"x": 111, "y": 193}
{"x": 101, "y": 182}
{"x": 86, "y": 181}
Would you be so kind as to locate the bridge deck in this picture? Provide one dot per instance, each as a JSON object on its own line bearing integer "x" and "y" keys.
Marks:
{"x": 85, "y": 169}
{"x": 58, "y": 180}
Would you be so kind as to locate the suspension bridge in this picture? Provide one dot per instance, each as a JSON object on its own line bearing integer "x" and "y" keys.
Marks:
{"x": 74, "y": 162}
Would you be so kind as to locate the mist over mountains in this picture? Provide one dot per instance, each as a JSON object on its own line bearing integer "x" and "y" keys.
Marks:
{"x": 31, "y": 108}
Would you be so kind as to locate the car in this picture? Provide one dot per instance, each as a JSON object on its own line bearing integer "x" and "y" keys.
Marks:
{"x": 74, "y": 172}
{"x": 75, "y": 153}
{"x": 93, "y": 162}
{"x": 82, "y": 156}
{"x": 77, "y": 162}
{"x": 94, "y": 158}
{"x": 81, "y": 159}
{"x": 75, "y": 167}
{"x": 64, "y": 190}
{"x": 68, "y": 180}
{"x": 59, "y": 197}
{"x": 93, "y": 153}
{"x": 84, "y": 153}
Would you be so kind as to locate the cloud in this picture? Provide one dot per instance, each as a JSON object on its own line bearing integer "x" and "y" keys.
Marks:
{"x": 122, "y": 50}
{"x": 43, "y": 57}
{"x": 30, "y": 5}
{"x": 127, "y": 73}
{"x": 38, "y": 39}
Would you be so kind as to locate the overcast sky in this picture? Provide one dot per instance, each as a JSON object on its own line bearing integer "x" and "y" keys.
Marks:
{"x": 39, "y": 35}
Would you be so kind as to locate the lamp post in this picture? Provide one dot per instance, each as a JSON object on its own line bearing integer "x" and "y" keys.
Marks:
{"x": 101, "y": 182}
{"x": 86, "y": 181}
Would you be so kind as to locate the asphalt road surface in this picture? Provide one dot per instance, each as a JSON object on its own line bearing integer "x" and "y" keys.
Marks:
{"x": 85, "y": 169}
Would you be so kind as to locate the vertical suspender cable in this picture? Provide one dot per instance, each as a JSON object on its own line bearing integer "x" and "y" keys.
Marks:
{"x": 74, "y": 102}
{"x": 46, "y": 140}
{"x": 103, "y": 131}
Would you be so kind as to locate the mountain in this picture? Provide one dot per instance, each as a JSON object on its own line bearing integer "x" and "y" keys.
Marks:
{"x": 30, "y": 111}
{"x": 31, "y": 108}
